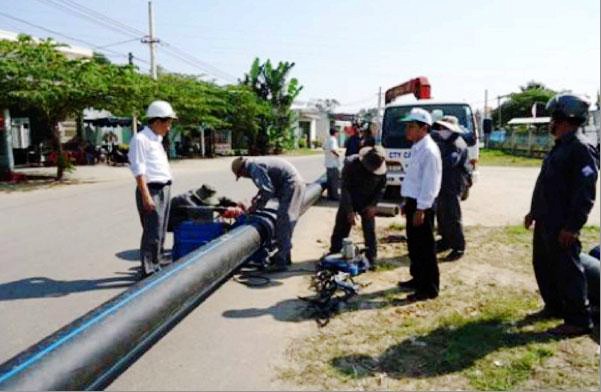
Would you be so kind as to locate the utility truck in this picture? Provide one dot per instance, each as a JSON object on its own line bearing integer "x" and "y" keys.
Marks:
{"x": 398, "y": 148}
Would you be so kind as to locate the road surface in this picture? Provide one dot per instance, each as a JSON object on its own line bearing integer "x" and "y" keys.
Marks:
{"x": 67, "y": 249}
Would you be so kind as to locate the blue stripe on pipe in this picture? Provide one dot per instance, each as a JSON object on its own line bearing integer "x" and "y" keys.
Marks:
{"x": 112, "y": 309}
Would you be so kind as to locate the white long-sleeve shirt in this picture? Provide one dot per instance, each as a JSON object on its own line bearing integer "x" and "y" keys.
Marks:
{"x": 424, "y": 173}
{"x": 331, "y": 160}
{"x": 147, "y": 157}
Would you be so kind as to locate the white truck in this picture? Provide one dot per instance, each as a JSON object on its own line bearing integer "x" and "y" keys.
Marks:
{"x": 392, "y": 135}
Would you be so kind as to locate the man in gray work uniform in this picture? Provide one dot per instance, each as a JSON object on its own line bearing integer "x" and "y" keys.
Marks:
{"x": 149, "y": 165}
{"x": 275, "y": 178}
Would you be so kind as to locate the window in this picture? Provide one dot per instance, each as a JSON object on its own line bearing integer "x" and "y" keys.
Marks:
{"x": 393, "y": 130}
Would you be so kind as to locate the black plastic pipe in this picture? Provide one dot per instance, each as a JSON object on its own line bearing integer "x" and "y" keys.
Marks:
{"x": 93, "y": 350}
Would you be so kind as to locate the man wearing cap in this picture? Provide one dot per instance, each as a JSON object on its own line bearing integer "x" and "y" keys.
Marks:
{"x": 149, "y": 165}
{"x": 275, "y": 178}
{"x": 420, "y": 188}
{"x": 453, "y": 152}
{"x": 563, "y": 197}
{"x": 363, "y": 181}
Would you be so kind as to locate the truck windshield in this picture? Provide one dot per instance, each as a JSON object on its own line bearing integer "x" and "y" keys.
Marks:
{"x": 393, "y": 130}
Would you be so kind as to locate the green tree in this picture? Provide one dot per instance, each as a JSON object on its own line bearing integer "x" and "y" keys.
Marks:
{"x": 271, "y": 84}
{"x": 520, "y": 103}
{"x": 195, "y": 101}
{"x": 34, "y": 75}
{"x": 244, "y": 115}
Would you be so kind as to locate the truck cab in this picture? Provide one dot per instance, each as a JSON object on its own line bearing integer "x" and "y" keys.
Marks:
{"x": 398, "y": 148}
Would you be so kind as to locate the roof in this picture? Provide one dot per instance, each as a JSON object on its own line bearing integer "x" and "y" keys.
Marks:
{"x": 425, "y": 102}
{"x": 72, "y": 52}
{"x": 529, "y": 120}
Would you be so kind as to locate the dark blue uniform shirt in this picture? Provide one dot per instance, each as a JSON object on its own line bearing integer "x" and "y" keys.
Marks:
{"x": 565, "y": 189}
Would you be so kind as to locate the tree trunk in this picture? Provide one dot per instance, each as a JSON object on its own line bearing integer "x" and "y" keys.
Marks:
{"x": 79, "y": 126}
{"x": 60, "y": 161}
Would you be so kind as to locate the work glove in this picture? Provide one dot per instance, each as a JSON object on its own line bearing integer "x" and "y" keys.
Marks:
{"x": 232, "y": 212}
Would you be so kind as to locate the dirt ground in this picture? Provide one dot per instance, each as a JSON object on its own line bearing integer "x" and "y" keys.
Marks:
{"x": 476, "y": 335}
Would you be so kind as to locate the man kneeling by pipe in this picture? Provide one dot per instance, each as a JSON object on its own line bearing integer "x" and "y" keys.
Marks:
{"x": 363, "y": 181}
{"x": 275, "y": 178}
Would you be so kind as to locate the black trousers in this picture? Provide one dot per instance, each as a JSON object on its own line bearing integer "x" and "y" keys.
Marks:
{"x": 561, "y": 277}
{"x": 342, "y": 230}
{"x": 333, "y": 183}
{"x": 448, "y": 219}
{"x": 422, "y": 250}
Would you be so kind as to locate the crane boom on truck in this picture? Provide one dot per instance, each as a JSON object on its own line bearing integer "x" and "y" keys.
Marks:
{"x": 398, "y": 148}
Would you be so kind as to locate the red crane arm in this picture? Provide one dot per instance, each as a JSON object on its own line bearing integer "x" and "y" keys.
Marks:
{"x": 419, "y": 87}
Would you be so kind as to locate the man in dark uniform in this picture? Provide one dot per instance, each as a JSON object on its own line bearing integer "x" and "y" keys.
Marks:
{"x": 563, "y": 197}
{"x": 453, "y": 152}
{"x": 363, "y": 181}
{"x": 353, "y": 141}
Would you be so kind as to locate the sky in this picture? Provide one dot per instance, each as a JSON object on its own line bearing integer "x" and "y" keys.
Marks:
{"x": 347, "y": 49}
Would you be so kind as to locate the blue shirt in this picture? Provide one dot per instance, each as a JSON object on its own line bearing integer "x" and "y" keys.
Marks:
{"x": 352, "y": 145}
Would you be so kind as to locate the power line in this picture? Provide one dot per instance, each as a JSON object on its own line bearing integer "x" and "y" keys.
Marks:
{"x": 105, "y": 17}
{"x": 93, "y": 46}
{"x": 118, "y": 43}
{"x": 70, "y": 10}
{"x": 79, "y": 10}
{"x": 191, "y": 60}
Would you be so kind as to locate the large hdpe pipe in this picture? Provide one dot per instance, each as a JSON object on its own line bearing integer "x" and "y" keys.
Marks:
{"x": 93, "y": 350}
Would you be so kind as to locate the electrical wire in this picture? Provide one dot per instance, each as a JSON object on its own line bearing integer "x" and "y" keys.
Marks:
{"x": 76, "y": 9}
{"x": 117, "y": 43}
{"x": 57, "y": 33}
{"x": 69, "y": 10}
{"x": 90, "y": 11}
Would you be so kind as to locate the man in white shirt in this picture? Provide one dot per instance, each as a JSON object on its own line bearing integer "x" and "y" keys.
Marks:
{"x": 420, "y": 188}
{"x": 332, "y": 162}
{"x": 149, "y": 165}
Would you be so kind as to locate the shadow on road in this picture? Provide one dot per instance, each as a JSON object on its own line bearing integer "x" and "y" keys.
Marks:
{"x": 129, "y": 255}
{"x": 134, "y": 254}
{"x": 43, "y": 287}
{"x": 442, "y": 351}
{"x": 296, "y": 310}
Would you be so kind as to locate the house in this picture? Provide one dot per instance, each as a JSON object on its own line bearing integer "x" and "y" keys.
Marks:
{"x": 70, "y": 51}
{"x": 312, "y": 125}
{"x": 21, "y": 122}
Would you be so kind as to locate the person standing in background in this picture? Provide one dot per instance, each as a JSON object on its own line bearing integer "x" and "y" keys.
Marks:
{"x": 332, "y": 163}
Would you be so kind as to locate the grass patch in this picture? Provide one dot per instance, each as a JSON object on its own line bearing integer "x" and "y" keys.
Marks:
{"x": 396, "y": 226}
{"x": 502, "y": 158}
{"x": 479, "y": 334}
{"x": 303, "y": 151}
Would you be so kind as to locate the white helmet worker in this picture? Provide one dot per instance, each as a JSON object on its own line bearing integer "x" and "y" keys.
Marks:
{"x": 160, "y": 109}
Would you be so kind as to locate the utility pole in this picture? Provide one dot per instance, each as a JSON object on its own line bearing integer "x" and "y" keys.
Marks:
{"x": 485, "y": 103}
{"x": 378, "y": 116}
{"x": 499, "y": 110}
{"x": 151, "y": 41}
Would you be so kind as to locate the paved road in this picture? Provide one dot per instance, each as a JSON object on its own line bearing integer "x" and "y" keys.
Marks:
{"x": 66, "y": 250}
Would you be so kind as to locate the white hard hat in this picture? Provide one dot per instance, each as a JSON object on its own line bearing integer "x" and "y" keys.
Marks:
{"x": 420, "y": 115}
{"x": 160, "y": 109}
